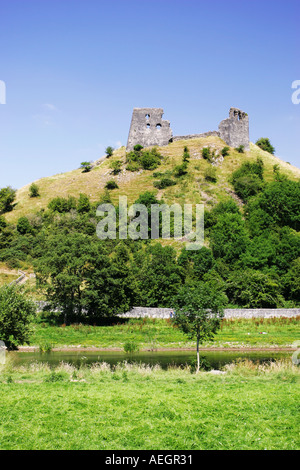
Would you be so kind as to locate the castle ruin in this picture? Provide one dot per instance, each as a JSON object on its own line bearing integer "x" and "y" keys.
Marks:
{"x": 148, "y": 128}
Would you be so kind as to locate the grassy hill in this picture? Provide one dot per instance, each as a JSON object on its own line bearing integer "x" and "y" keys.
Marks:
{"x": 191, "y": 189}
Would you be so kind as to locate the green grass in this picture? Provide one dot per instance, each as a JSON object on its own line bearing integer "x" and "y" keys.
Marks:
{"x": 159, "y": 333}
{"x": 133, "y": 407}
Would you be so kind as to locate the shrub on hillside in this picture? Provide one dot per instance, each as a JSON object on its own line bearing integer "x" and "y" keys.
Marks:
{"x": 265, "y": 144}
{"x": 111, "y": 184}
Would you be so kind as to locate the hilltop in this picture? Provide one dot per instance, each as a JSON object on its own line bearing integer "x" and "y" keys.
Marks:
{"x": 194, "y": 188}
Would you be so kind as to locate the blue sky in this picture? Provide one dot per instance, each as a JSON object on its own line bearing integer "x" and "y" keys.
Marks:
{"x": 75, "y": 69}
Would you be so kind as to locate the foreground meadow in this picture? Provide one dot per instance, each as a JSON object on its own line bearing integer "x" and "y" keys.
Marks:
{"x": 246, "y": 406}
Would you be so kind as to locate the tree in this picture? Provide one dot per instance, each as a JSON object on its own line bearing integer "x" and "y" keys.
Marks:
{"x": 86, "y": 166}
{"x": 24, "y": 226}
{"x": 291, "y": 282}
{"x": 83, "y": 204}
{"x": 34, "y": 190}
{"x": 16, "y": 313}
{"x": 7, "y": 197}
{"x": 199, "y": 310}
{"x": 264, "y": 144}
{"x": 109, "y": 151}
{"x": 253, "y": 289}
{"x": 229, "y": 237}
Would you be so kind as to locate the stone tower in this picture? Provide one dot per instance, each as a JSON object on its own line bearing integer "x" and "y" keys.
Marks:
{"x": 148, "y": 128}
{"x": 235, "y": 129}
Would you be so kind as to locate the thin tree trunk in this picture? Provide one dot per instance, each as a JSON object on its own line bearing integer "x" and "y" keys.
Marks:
{"x": 198, "y": 357}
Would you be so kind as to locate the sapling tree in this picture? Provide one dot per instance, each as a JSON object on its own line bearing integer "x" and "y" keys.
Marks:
{"x": 199, "y": 310}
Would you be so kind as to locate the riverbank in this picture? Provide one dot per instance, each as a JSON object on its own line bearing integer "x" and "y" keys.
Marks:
{"x": 146, "y": 334}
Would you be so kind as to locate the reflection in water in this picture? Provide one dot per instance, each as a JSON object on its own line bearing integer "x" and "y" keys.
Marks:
{"x": 165, "y": 359}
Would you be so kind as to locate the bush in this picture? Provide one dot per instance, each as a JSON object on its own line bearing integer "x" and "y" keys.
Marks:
{"x": 240, "y": 149}
{"x": 24, "y": 226}
{"x": 131, "y": 347}
{"x": 34, "y": 190}
{"x": 147, "y": 159}
{"x": 83, "y": 204}
{"x": 62, "y": 205}
{"x": 116, "y": 166}
{"x": 206, "y": 153}
{"x": 180, "y": 170}
{"x": 138, "y": 147}
{"x": 264, "y": 144}
{"x": 111, "y": 184}
{"x": 7, "y": 197}
{"x": 225, "y": 151}
{"x": 133, "y": 166}
{"x": 16, "y": 313}
{"x": 248, "y": 179}
{"x": 164, "y": 183}
{"x": 210, "y": 174}
{"x": 150, "y": 160}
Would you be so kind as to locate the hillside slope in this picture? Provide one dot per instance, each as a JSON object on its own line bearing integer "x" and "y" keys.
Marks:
{"x": 191, "y": 189}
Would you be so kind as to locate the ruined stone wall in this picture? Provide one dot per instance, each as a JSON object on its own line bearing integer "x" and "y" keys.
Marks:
{"x": 148, "y": 128}
{"x": 235, "y": 129}
{"x": 196, "y": 136}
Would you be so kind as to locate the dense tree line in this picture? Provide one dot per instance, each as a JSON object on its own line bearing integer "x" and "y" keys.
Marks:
{"x": 253, "y": 253}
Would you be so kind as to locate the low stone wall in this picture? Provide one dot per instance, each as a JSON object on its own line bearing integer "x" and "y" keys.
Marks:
{"x": 149, "y": 312}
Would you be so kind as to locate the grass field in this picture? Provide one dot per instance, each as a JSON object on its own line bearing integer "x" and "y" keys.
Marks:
{"x": 139, "y": 408}
{"x": 158, "y": 333}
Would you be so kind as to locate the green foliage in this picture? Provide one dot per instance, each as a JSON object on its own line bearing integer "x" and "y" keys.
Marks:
{"x": 137, "y": 147}
{"x": 150, "y": 159}
{"x": 34, "y": 190}
{"x": 83, "y": 204}
{"x": 277, "y": 205}
{"x": 225, "y": 151}
{"x": 253, "y": 289}
{"x": 180, "y": 170}
{"x": 86, "y": 167}
{"x": 248, "y": 179}
{"x": 62, "y": 205}
{"x": 109, "y": 151}
{"x": 111, "y": 184}
{"x": 240, "y": 149}
{"x": 7, "y": 197}
{"x": 116, "y": 166}
{"x": 145, "y": 159}
{"x": 24, "y": 226}
{"x": 206, "y": 153}
{"x": 264, "y": 144}
{"x": 198, "y": 312}
{"x": 164, "y": 183}
{"x": 291, "y": 282}
{"x": 229, "y": 237}
{"x": 131, "y": 347}
{"x": 186, "y": 155}
{"x": 133, "y": 166}
{"x": 16, "y": 314}
{"x": 210, "y": 174}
